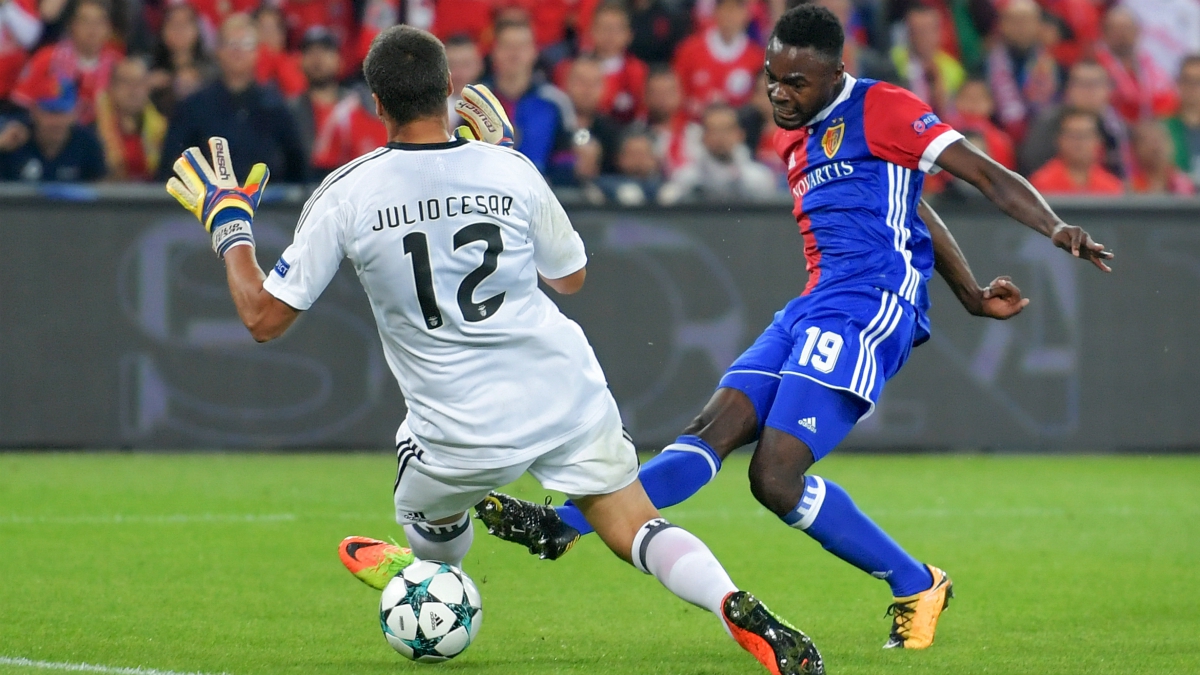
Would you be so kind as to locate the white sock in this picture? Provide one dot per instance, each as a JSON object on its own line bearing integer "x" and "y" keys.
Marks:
{"x": 682, "y": 563}
{"x": 447, "y": 543}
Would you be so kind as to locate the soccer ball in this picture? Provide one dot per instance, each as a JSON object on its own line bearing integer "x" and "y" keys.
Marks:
{"x": 430, "y": 612}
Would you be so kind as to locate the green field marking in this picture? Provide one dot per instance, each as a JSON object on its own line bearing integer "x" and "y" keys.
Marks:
{"x": 227, "y": 563}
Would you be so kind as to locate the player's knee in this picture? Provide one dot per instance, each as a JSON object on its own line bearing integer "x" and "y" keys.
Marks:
{"x": 728, "y": 422}
{"x": 778, "y": 491}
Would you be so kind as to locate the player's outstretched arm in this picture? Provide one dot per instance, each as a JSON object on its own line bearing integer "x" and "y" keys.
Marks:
{"x": 264, "y": 315}
{"x": 999, "y": 300}
{"x": 1017, "y": 198}
{"x": 211, "y": 193}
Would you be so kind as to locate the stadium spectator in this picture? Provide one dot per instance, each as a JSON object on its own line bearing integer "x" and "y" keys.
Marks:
{"x": 131, "y": 131}
{"x": 276, "y": 65}
{"x": 20, "y": 28}
{"x": 723, "y": 169}
{"x": 83, "y": 58}
{"x": 973, "y": 109}
{"x": 932, "y": 74}
{"x": 335, "y": 15}
{"x": 1141, "y": 88}
{"x": 1077, "y": 23}
{"x": 758, "y": 123}
{"x": 1154, "y": 170}
{"x": 466, "y": 67}
{"x": 58, "y": 149}
{"x": 719, "y": 64}
{"x": 180, "y": 65}
{"x": 658, "y": 27}
{"x": 585, "y": 86}
{"x": 1185, "y": 126}
{"x": 964, "y": 25}
{"x": 254, "y": 119}
{"x": 676, "y": 136}
{"x": 638, "y": 176}
{"x": 624, "y": 75}
{"x": 1088, "y": 89}
{"x": 541, "y": 112}
{"x": 212, "y": 14}
{"x": 1075, "y": 170}
{"x": 861, "y": 60}
{"x": 336, "y": 124}
{"x": 1170, "y": 30}
{"x": 1021, "y": 73}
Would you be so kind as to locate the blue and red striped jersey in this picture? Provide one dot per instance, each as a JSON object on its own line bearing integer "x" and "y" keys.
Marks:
{"x": 856, "y": 173}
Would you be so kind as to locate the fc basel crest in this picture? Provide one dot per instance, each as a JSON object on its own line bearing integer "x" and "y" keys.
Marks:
{"x": 832, "y": 141}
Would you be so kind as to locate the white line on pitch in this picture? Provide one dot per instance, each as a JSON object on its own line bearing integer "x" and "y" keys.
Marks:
{"x": 119, "y": 519}
{"x": 90, "y": 668}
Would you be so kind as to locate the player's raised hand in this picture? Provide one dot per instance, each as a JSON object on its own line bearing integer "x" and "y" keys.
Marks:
{"x": 1077, "y": 242}
{"x": 484, "y": 116}
{"x": 1002, "y": 299}
{"x": 211, "y": 193}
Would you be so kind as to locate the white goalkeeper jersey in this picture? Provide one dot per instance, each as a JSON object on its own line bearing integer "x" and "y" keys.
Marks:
{"x": 448, "y": 240}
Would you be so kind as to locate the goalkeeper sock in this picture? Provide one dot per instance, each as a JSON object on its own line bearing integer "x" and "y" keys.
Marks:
{"x": 682, "y": 563}
{"x": 826, "y": 513}
{"x": 673, "y": 475}
{"x": 447, "y": 543}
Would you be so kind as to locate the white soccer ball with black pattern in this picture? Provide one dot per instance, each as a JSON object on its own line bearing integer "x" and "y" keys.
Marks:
{"x": 431, "y": 611}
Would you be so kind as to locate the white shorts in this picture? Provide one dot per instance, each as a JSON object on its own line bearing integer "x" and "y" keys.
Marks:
{"x": 598, "y": 461}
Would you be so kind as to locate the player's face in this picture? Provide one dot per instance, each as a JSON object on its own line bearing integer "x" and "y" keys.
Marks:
{"x": 800, "y": 82}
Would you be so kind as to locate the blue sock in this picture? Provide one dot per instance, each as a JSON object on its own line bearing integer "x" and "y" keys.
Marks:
{"x": 826, "y": 513}
{"x": 676, "y": 473}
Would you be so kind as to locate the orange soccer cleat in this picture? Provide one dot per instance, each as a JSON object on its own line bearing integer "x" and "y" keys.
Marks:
{"x": 374, "y": 562}
{"x": 914, "y": 618}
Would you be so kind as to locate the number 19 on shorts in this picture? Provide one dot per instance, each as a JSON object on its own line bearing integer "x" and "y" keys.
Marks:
{"x": 827, "y": 347}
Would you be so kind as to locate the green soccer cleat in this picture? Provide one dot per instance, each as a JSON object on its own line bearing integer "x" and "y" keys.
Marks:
{"x": 537, "y": 527}
{"x": 374, "y": 562}
{"x": 781, "y": 648}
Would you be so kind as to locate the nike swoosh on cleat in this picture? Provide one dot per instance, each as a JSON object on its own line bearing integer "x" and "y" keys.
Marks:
{"x": 353, "y": 547}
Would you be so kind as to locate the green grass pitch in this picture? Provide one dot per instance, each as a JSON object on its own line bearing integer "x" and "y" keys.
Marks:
{"x": 228, "y": 564}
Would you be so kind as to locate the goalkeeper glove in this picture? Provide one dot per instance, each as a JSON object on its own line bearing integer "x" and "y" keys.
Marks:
{"x": 484, "y": 116}
{"x": 213, "y": 196}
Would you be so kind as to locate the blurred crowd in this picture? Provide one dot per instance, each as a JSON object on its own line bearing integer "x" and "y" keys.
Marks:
{"x": 633, "y": 102}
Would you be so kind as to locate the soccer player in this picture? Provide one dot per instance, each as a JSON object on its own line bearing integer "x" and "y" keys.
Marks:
{"x": 856, "y": 150}
{"x": 449, "y": 238}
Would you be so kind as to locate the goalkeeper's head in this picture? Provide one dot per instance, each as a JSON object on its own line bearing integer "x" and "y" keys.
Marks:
{"x": 407, "y": 71}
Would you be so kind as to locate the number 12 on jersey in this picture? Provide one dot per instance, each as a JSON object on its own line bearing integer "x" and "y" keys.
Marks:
{"x": 416, "y": 244}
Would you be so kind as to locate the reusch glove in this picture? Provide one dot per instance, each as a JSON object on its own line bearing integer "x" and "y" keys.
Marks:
{"x": 212, "y": 194}
{"x": 484, "y": 116}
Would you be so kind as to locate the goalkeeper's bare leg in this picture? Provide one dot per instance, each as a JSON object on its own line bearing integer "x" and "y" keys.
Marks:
{"x": 631, "y": 526}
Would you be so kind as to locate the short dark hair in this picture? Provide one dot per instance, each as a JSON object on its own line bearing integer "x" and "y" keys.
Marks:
{"x": 406, "y": 69}
{"x": 811, "y": 26}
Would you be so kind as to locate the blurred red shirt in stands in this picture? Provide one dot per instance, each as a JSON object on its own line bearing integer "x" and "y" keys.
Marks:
{"x": 340, "y": 123}
{"x": 1141, "y": 88}
{"x": 84, "y": 58}
{"x": 973, "y": 109}
{"x": 336, "y": 15}
{"x": 276, "y": 64}
{"x": 1082, "y": 19}
{"x": 624, "y": 74}
{"x": 1076, "y": 169}
{"x": 719, "y": 64}
{"x": 20, "y": 28}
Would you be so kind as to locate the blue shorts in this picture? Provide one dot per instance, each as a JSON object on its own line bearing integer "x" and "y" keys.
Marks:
{"x": 821, "y": 365}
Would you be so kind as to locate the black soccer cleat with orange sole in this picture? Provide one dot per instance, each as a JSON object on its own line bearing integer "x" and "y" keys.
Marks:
{"x": 780, "y": 647}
